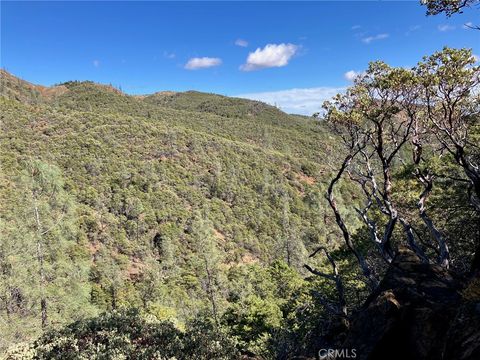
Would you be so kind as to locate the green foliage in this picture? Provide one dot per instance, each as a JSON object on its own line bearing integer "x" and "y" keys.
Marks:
{"x": 127, "y": 335}
{"x": 173, "y": 207}
{"x": 449, "y": 7}
{"x": 216, "y": 104}
{"x": 252, "y": 322}
{"x": 42, "y": 256}
{"x": 200, "y": 210}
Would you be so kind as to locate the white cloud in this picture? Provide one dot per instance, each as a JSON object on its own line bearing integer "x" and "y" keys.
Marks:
{"x": 467, "y": 25}
{"x": 445, "y": 27}
{"x": 356, "y": 27}
{"x": 272, "y": 55}
{"x": 412, "y": 29}
{"x": 169, "y": 55}
{"x": 476, "y": 58}
{"x": 369, "y": 39}
{"x": 352, "y": 75}
{"x": 241, "y": 42}
{"x": 296, "y": 101}
{"x": 96, "y": 63}
{"x": 202, "y": 63}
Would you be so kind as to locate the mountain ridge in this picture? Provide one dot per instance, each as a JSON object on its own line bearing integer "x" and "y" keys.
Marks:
{"x": 164, "y": 96}
{"x": 155, "y": 190}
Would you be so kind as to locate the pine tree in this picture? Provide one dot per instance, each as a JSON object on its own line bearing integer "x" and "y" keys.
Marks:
{"x": 44, "y": 268}
{"x": 208, "y": 263}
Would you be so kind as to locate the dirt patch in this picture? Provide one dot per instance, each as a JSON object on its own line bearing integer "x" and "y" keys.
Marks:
{"x": 51, "y": 92}
{"x": 248, "y": 259}
{"x": 93, "y": 248}
{"x": 135, "y": 268}
{"x": 219, "y": 235}
{"x": 306, "y": 179}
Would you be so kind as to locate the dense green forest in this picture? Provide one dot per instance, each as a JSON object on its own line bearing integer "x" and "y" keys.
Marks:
{"x": 197, "y": 226}
{"x": 183, "y": 205}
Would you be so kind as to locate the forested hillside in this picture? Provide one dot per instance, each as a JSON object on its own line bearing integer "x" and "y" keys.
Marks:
{"x": 197, "y": 226}
{"x": 182, "y": 206}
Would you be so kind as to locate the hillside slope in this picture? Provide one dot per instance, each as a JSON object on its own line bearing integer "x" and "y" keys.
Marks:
{"x": 167, "y": 198}
{"x": 216, "y": 104}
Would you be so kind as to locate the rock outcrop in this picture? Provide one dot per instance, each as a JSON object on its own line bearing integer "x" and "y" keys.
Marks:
{"x": 419, "y": 311}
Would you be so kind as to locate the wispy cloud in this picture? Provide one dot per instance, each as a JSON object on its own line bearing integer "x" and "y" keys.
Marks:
{"x": 352, "y": 75}
{"x": 304, "y": 101}
{"x": 202, "y": 63}
{"x": 169, "y": 55}
{"x": 272, "y": 55}
{"x": 96, "y": 63}
{"x": 370, "y": 39}
{"x": 445, "y": 27}
{"x": 356, "y": 27}
{"x": 467, "y": 25}
{"x": 412, "y": 29}
{"x": 241, "y": 43}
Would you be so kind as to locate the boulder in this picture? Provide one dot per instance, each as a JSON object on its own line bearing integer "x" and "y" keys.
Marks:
{"x": 418, "y": 311}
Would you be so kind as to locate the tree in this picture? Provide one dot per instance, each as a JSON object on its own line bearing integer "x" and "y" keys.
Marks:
{"x": 207, "y": 265}
{"x": 45, "y": 269}
{"x": 128, "y": 334}
{"x": 389, "y": 111}
{"x": 368, "y": 120}
{"x": 341, "y": 307}
{"x": 292, "y": 247}
{"x": 347, "y": 126}
{"x": 449, "y": 7}
{"x": 452, "y": 113}
{"x": 449, "y": 79}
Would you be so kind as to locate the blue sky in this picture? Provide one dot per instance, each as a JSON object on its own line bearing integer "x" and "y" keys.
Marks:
{"x": 290, "y": 53}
